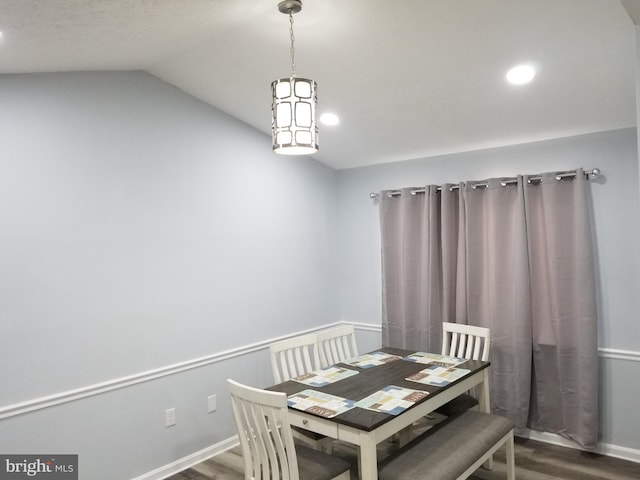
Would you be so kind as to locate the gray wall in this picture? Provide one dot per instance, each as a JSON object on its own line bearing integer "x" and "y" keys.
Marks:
{"x": 151, "y": 247}
{"x": 616, "y": 212}
{"x": 139, "y": 229}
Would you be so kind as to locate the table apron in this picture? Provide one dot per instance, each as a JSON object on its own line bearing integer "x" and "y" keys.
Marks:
{"x": 316, "y": 424}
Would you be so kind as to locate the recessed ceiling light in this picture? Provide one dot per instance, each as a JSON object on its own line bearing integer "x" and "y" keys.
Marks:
{"x": 521, "y": 74}
{"x": 329, "y": 119}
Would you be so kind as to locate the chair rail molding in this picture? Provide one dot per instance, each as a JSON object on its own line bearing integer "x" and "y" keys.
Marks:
{"x": 619, "y": 354}
{"x": 130, "y": 380}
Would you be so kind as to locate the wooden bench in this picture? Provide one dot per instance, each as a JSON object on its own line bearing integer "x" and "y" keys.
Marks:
{"x": 452, "y": 450}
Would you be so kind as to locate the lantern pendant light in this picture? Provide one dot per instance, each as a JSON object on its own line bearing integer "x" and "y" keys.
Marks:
{"x": 294, "y": 130}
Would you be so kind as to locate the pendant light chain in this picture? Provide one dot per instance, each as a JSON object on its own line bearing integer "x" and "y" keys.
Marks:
{"x": 293, "y": 51}
{"x": 294, "y": 130}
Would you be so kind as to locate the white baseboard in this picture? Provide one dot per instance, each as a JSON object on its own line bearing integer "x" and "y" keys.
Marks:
{"x": 197, "y": 457}
{"x": 190, "y": 460}
{"x": 624, "y": 453}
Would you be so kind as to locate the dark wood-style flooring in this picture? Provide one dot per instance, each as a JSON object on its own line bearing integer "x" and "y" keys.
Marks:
{"x": 534, "y": 461}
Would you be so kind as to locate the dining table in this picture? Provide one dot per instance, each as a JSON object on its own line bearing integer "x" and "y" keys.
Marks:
{"x": 365, "y": 400}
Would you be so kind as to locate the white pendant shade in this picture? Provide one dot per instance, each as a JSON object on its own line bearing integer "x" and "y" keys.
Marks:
{"x": 294, "y": 129}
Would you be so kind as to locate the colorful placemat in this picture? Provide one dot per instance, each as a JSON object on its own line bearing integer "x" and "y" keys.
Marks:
{"x": 438, "y": 376}
{"x": 320, "y": 378}
{"x": 392, "y": 399}
{"x": 374, "y": 359}
{"x": 318, "y": 403}
{"x": 434, "y": 359}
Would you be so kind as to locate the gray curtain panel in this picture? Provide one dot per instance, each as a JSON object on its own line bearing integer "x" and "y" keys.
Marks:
{"x": 517, "y": 259}
{"x": 564, "y": 397}
{"x": 412, "y": 282}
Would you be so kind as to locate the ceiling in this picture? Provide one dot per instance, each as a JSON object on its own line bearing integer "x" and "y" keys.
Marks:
{"x": 408, "y": 78}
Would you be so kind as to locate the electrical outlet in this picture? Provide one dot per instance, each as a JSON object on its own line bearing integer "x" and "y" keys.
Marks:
{"x": 211, "y": 402}
{"x": 170, "y": 417}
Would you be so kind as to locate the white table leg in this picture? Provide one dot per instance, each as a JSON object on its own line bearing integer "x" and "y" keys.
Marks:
{"x": 482, "y": 390}
{"x": 404, "y": 435}
{"x": 368, "y": 458}
{"x": 485, "y": 406}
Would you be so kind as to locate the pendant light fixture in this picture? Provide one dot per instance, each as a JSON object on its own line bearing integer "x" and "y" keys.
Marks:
{"x": 294, "y": 130}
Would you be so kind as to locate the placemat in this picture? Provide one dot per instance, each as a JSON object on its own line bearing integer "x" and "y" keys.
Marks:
{"x": 374, "y": 359}
{"x": 318, "y": 403}
{"x": 392, "y": 399}
{"x": 320, "y": 378}
{"x": 434, "y": 359}
{"x": 438, "y": 376}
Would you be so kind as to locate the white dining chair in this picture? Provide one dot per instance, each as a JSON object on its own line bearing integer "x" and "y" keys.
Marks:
{"x": 461, "y": 341}
{"x": 294, "y": 356}
{"x": 266, "y": 439}
{"x": 464, "y": 341}
{"x": 337, "y": 344}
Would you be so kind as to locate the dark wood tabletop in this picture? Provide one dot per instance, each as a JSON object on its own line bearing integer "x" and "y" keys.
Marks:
{"x": 370, "y": 380}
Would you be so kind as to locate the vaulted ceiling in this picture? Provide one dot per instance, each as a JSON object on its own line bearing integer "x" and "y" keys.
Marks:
{"x": 408, "y": 78}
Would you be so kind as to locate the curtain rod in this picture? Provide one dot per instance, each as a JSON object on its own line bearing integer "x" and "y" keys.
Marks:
{"x": 533, "y": 179}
